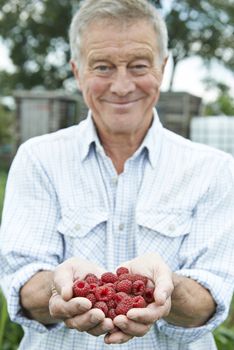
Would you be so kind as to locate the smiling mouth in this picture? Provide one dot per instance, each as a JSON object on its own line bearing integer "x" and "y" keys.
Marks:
{"x": 122, "y": 103}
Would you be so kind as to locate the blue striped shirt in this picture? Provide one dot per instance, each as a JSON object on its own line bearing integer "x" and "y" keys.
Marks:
{"x": 64, "y": 198}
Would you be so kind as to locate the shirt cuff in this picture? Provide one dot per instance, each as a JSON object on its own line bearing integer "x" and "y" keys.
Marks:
{"x": 12, "y": 293}
{"x": 221, "y": 293}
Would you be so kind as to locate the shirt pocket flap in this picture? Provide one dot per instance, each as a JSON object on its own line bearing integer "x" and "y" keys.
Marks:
{"x": 78, "y": 222}
{"x": 168, "y": 223}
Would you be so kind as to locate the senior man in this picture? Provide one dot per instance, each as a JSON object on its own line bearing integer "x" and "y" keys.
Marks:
{"x": 118, "y": 189}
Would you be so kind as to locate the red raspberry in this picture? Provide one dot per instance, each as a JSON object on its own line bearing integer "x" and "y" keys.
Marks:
{"x": 149, "y": 295}
{"x": 121, "y": 270}
{"x": 102, "y": 306}
{"x": 111, "y": 285}
{"x": 126, "y": 276}
{"x": 91, "y": 278}
{"x": 124, "y": 286}
{"x": 104, "y": 293}
{"x": 139, "y": 301}
{"x": 124, "y": 306}
{"x": 93, "y": 286}
{"x": 137, "y": 277}
{"x": 109, "y": 277}
{"x": 80, "y": 288}
{"x": 111, "y": 304}
{"x": 91, "y": 297}
{"x": 118, "y": 297}
{"x": 138, "y": 287}
{"x": 111, "y": 313}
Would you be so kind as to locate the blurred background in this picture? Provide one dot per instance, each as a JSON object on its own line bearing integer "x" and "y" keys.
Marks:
{"x": 38, "y": 93}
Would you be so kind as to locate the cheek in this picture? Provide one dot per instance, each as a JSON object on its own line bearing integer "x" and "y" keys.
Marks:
{"x": 151, "y": 83}
{"x": 94, "y": 88}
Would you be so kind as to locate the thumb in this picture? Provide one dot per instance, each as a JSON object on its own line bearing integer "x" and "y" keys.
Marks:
{"x": 63, "y": 282}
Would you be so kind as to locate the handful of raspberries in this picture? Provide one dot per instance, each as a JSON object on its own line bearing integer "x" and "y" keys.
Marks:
{"x": 115, "y": 294}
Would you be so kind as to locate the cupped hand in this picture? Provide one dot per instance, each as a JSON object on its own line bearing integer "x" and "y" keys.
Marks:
{"x": 76, "y": 312}
{"x": 139, "y": 321}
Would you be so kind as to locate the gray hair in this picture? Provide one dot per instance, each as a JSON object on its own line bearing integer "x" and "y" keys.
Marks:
{"x": 121, "y": 11}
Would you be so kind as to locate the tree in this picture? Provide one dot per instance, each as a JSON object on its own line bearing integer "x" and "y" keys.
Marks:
{"x": 201, "y": 28}
{"x": 36, "y": 33}
{"x": 224, "y": 103}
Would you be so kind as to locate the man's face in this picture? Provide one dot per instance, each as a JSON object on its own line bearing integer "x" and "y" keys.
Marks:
{"x": 120, "y": 75}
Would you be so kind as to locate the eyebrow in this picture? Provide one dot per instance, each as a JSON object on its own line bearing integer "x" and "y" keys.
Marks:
{"x": 140, "y": 55}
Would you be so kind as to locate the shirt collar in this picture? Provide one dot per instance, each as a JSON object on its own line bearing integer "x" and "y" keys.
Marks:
{"x": 152, "y": 141}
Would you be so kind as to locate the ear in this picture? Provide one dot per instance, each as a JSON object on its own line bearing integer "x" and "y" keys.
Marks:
{"x": 76, "y": 74}
{"x": 164, "y": 64}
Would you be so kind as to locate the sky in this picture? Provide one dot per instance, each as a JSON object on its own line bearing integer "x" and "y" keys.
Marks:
{"x": 189, "y": 75}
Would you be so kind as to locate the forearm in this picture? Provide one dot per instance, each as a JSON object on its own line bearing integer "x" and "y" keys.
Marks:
{"x": 35, "y": 296}
{"x": 192, "y": 304}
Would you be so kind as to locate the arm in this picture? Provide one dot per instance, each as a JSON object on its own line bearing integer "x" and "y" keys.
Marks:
{"x": 35, "y": 296}
{"x": 191, "y": 304}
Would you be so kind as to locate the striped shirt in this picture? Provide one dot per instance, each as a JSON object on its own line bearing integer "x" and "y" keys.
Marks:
{"x": 64, "y": 198}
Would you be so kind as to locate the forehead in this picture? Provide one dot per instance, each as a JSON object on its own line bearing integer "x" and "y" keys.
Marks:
{"x": 110, "y": 38}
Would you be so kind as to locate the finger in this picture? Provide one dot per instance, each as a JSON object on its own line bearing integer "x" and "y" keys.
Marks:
{"x": 150, "y": 314}
{"x": 163, "y": 289}
{"x": 60, "y": 309}
{"x": 63, "y": 280}
{"x": 86, "y": 321}
{"x": 117, "y": 338}
{"x": 131, "y": 327}
{"x": 104, "y": 327}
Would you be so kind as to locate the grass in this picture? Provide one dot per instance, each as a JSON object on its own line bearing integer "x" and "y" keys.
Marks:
{"x": 11, "y": 333}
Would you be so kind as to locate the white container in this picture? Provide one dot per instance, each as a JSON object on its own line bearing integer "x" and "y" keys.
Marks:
{"x": 217, "y": 131}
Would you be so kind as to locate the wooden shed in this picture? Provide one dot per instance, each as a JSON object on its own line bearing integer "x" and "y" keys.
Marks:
{"x": 39, "y": 113}
{"x": 176, "y": 110}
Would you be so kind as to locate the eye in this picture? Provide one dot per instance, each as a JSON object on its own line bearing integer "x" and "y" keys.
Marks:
{"x": 103, "y": 68}
{"x": 139, "y": 68}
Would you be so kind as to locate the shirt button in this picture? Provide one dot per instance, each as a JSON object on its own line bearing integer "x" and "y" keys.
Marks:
{"x": 121, "y": 227}
{"x": 114, "y": 180}
{"x": 171, "y": 227}
{"x": 77, "y": 227}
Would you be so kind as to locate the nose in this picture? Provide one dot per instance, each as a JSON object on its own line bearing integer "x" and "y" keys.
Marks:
{"x": 122, "y": 83}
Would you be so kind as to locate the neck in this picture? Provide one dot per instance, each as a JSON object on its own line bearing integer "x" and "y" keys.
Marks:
{"x": 120, "y": 148}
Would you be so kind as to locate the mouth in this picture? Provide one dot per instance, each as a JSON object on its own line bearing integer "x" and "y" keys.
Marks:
{"x": 122, "y": 103}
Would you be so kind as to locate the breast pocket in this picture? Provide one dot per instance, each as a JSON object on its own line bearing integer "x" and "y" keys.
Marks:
{"x": 84, "y": 232}
{"x": 163, "y": 231}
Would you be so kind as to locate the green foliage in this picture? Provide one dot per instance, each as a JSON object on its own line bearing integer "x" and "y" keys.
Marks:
{"x": 6, "y": 125}
{"x": 10, "y": 333}
{"x": 224, "y": 103}
{"x": 3, "y": 178}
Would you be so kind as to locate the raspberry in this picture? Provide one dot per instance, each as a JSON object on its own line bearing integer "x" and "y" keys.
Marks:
{"x": 124, "y": 306}
{"x": 149, "y": 295}
{"x": 91, "y": 278}
{"x": 109, "y": 277}
{"x": 124, "y": 286}
{"x": 121, "y": 270}
{"x": 138, "y": 301}
{"x": 102, "y": 306}
{"x": 137, "y": 277}
{"x": 111, "y": 304}
{"x": 111, "y": 313}
{"x": 118, "y": 297}
{"x": 91, "y": 297}
{"x": 80, "y": 288}
{"x": 93, "y": 286}
{"x": 125, "y": 276}
{"x": 138, "y": 287}
{"x": 104, "y": 293}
